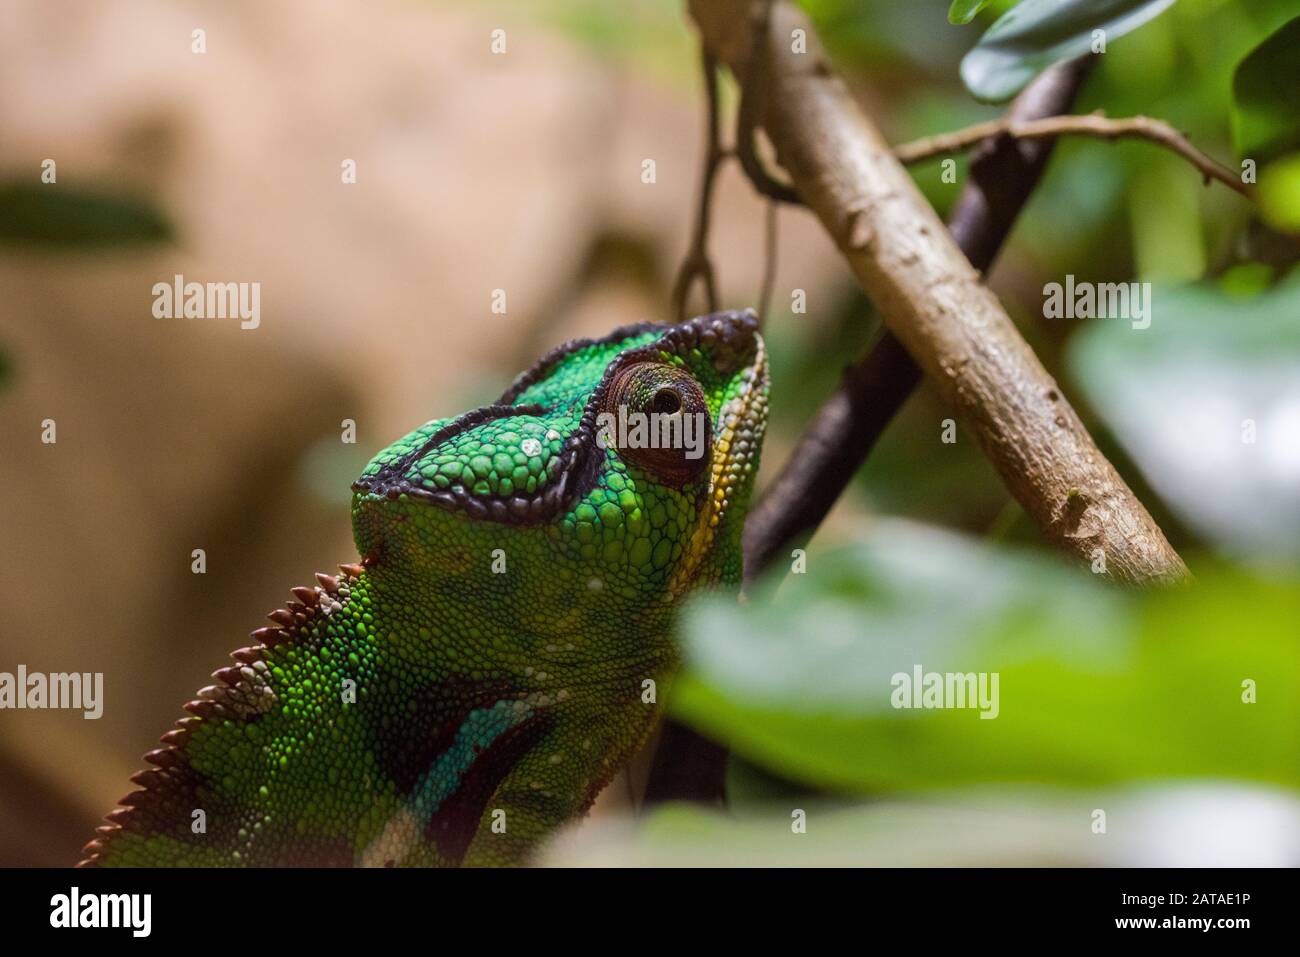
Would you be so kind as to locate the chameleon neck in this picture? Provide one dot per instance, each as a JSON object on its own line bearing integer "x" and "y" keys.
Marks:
{"x": 368, "y": 727}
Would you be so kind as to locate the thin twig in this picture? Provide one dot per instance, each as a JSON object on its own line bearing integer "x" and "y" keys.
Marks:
{"x": 697, "y": 265}
{"x": 747, "y": 118}
{"x": 1094, "y": 124}
{"x": 769, "y": 263}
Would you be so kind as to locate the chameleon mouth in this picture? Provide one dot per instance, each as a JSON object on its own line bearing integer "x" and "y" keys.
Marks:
{"x": 729, "y": 339}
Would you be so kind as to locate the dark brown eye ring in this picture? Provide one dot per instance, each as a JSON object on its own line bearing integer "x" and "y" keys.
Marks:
{"x": 655, "y": 415}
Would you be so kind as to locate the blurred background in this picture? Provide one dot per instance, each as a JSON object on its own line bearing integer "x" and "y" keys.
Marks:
{"x": 521, "y": 171}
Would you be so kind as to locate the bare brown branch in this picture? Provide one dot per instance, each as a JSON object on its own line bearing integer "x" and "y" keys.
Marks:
{"x": 1003, "y": 175}
{"x": 1094, "y": 124}
{"x": 931, "y": 297}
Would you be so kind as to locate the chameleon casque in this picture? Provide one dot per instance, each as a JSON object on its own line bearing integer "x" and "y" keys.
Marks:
{"x": 485, "y": 660}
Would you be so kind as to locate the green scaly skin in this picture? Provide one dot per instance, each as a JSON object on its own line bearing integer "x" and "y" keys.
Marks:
{"x": 482, "y": 674}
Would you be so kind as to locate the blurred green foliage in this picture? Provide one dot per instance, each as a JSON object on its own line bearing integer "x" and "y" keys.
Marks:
{"x": 1207, "y": 402}
{"x": 1095, "y": 686}
{"x": 1169, "y": 826}
{"x": 1266, "y": 123}
{"x": 1279, "y": 193}
{"x": 53, "y": 215}
{"x": 963, "y": 11}
{"x": 650, "y": 36}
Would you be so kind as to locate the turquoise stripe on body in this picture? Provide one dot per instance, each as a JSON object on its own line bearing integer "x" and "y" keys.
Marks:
{"x": 481, "y": 727}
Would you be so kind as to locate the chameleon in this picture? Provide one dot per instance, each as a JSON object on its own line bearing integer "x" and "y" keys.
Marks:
{"x": 483, "y": 671}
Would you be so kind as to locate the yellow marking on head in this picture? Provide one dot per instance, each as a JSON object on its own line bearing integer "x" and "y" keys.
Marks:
{"x": 722, "y": 481}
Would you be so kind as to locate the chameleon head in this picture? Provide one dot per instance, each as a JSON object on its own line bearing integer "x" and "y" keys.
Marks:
{"x": 612, "y": 475}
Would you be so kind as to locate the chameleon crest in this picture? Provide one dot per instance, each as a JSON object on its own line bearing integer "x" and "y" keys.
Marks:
{"x": 485, "y": 670}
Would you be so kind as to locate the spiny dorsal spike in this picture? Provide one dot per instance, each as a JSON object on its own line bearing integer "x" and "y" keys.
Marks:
{"x": 268, "y": 636}
{"x": 202, "y": 709}
{"x": 230, "y": 675}
{"x": 163, "y": 757}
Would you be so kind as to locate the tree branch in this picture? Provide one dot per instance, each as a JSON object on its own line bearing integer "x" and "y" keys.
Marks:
{"x": 1094, "y": 124}
{"x": 931, "y": 297}
{"x": 687, "y": 766}
{"x": 838, "y": 439}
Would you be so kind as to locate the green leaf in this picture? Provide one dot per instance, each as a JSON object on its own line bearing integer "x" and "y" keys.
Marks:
{"x": 1199, "y": 824}
{"x": 1095, "y": 686}
{"x": 1165, "y": 219}
{"x": 1265, "y": 107}
{"x": 1206, "y": 400}
{"x": 1037, "y": 33}
{"x": 50, "y": 214}
{"x": 1279, "y": 193}
{"x": 963, "y": 11}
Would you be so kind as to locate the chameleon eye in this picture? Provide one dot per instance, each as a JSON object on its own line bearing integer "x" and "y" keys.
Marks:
{"x": 656, "y": 416}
